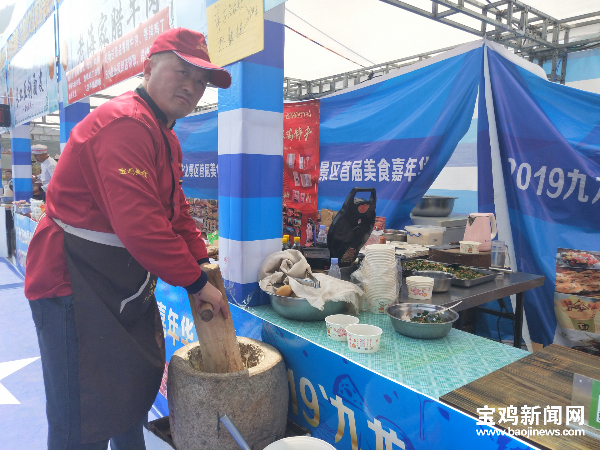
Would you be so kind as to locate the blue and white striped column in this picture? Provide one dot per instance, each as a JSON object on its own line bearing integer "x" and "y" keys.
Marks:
{"x": 20, "y": 148}
{"x": 251, "y": 164}
{"x": 70, "y": 116}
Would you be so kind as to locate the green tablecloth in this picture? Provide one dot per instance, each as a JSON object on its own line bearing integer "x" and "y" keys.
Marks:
{"x": 432, "y": 367}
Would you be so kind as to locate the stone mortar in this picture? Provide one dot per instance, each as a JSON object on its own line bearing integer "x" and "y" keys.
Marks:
{"x": 255, "y": 399}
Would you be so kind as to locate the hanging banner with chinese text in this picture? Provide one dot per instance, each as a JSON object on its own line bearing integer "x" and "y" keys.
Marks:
{"x": 24, "y": 229}
{"x": 4, "y": 100}
{"x": 35, "y": 16}
{"x": 32, "y": 77}
{"x": 198, "y": 137}
{"x": 199, "y": 144}
{"x": 300, "y": 170}
{"x": 396, "y": 134}
{"x": 102, "y": 43}
{"x": 548, "y": 145}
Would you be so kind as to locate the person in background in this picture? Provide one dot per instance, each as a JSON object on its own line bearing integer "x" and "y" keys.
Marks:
{"x": 7, "y": 179}
{"x": 116, "y": 220}
{"x": 48, "y": 164}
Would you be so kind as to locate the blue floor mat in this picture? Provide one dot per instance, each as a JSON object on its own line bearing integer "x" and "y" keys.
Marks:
{"x": 23, "y": 425}
{"x": 9, "y": 276}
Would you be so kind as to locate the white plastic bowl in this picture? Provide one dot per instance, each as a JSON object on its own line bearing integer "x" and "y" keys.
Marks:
{"x": 300, "y": 443}
{"x": 469, "y": 247}
{"x": 364, "y": 338}
{"x": 419, "y": 288}
{"x": 336, "y": 326}
{"x": 379, "y": 306}
{"x": 419, "y": 280}
{"x": 378, "y": 248}
{"x": 419, "y": 291}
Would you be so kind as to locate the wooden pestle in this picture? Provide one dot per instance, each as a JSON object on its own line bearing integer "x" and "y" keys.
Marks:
{"x": 206, "y": 312}
{"x": 218, "y": 343}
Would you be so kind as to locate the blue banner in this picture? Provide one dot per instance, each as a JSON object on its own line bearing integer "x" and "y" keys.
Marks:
{"x": 548, "y": 136}
{"x": 351, "y": 407}
{"x": 24, "y": 228}
{"x": 198, "y": 137}
{"x": 397, "y": 134}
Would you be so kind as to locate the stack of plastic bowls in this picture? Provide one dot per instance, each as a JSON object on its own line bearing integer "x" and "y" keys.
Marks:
{"x": 381, "y": 273}
{"x": 419, "y": 288}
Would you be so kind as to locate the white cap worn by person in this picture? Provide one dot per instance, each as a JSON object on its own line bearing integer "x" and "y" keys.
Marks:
{"x": 39, "y": 149}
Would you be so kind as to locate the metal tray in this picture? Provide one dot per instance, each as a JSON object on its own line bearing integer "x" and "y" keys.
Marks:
{"x": 488, "y": 276}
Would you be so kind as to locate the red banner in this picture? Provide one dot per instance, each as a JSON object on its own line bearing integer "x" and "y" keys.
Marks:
{"x": 85, "y": 79}
{"x": 301, "y": 170}
{"x": 118, "y": 61}
{"x": 125, "y": 57}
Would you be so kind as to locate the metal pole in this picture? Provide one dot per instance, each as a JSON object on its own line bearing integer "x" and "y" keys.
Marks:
{"x": 563, "y": 71}
{"x": 237, "y": 436}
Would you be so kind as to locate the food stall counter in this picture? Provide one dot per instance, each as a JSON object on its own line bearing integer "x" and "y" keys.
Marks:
{"x": 432, "y": 367}
{"x": 388, "y": 399}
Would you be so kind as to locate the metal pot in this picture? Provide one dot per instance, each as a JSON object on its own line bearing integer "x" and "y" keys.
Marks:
{"x": 434, "y": 206}
{"x": 441, "y": 280}
{"x": 299, "y": 309}
{"x": 395, "y": 235}
{"x": 420, "y": 330}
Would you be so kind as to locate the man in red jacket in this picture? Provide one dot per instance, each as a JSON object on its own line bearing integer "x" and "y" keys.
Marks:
{"x": 116, "y": 219}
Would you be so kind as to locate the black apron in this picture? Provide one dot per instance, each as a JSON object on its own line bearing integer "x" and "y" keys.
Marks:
{"x": 121, "y": 341}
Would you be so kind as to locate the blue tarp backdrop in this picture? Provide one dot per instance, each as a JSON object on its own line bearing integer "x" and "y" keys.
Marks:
{"x": 549, "y": 145}
{"x": 396, "y": 135}
{"x": 199, "y": 144}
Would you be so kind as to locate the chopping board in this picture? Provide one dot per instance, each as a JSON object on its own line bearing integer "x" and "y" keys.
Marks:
{"x": 450, "y": 254}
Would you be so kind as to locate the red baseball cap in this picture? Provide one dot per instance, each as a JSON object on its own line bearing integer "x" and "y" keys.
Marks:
{"x": 191, "y": 46}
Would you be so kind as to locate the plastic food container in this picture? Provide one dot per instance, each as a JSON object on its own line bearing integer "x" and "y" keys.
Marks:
{"x": 469, "y": 247}
{"x": 379, "y": 306}
{"x": 24, "y": 209}
{"x": 424, "y": 234}
{"x": 300, "y": 443}
{"x": 441, "y": 280}
{"x": 364, "y": 338}
{"x": 336, "y": 326}
{"x": 419, "y": 288}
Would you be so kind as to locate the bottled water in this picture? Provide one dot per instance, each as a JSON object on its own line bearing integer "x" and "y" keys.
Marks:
{"x": 322, "y": 237}
{"x": 334, "y": 270}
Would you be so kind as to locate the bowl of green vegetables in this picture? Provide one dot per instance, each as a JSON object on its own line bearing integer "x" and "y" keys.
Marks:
{"x": 421, "y": 321}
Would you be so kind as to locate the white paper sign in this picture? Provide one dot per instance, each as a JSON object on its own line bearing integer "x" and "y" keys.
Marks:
{"x": 32, "y": 77}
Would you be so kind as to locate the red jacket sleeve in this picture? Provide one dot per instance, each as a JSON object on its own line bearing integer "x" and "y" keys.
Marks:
{"x": 132, "y": 203}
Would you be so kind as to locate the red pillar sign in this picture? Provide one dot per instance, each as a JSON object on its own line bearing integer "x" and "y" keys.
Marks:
{"x": 300, "y": 170}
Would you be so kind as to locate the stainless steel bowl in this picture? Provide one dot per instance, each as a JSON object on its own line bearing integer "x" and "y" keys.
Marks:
{"x": 299, "y": 309}
{"x": 441, "y": 280}
{"x": 434, "y": 206}
{"x": 420, "y": 330}
{"x": 395, "y": 235}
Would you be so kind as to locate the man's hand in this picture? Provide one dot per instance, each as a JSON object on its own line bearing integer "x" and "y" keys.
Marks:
{"x": 212, "y": 295}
